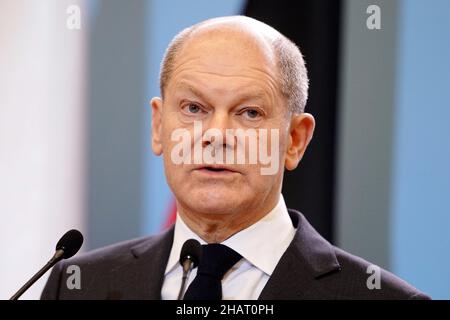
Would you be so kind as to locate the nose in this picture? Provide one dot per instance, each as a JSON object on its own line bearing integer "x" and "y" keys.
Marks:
{"x": 218, "y": 124}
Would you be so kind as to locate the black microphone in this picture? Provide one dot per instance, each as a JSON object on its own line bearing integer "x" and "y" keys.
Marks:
{"x": 190, "y": 256}
{"x": 67, "y": 246}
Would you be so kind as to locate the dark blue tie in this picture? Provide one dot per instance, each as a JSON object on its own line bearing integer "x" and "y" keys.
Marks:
{"x": 216, "y": 260}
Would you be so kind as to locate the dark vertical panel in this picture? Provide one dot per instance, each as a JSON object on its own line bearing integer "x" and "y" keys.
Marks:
{"x": 314, "y": 26}
{"x": 116, "y": 107}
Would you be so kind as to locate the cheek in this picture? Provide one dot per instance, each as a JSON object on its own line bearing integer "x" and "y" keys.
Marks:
{"x": 175, "y": 177}
{"x": 283, "y": 144}
{"x": 168, "y": 126}
{"x": 278, "y": 141}
{"x": 259, "y": 181}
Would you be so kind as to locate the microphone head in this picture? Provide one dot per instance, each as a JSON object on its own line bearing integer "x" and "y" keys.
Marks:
{"x": 70, "y": 243}
{"x": 192, "y": 250}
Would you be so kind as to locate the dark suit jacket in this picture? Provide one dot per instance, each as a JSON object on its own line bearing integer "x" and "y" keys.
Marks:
{"x": 311, "y": 268}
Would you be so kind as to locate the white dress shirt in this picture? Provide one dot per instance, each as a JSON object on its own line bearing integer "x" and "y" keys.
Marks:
{"x": 261, "y": 245}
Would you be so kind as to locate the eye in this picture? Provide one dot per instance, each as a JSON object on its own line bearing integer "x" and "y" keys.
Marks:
{"x": 192, "y": 108}
{"x": 252, "y": 114}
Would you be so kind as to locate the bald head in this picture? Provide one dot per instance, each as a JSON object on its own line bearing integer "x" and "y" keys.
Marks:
{"x": 240, "y": 36}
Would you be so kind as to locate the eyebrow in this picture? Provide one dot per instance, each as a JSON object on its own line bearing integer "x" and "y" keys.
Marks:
{"x": 188, "y": 87}
{"x": 257, "y": 94}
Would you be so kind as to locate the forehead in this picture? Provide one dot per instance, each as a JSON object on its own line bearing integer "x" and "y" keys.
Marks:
{"x": 228, "y": 45}
{"x": 222, "y": 58}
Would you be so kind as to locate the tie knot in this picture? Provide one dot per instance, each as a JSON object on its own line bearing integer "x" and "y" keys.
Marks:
{"x": 217, "y": 259}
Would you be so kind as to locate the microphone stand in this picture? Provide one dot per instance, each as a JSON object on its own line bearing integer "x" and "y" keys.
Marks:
{"x": 57, "y": 257}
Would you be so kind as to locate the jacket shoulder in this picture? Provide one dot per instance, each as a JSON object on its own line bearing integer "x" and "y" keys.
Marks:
{"x": 315, "y": 269}
{"x": 97, "y": 267}
{"x": 365, "y": 280}
{"x": 112, "y": 252}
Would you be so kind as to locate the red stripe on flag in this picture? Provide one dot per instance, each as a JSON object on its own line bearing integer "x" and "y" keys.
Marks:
{"x": 171, "y": 216}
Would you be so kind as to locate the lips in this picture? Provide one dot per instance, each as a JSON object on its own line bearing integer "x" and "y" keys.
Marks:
{"x": 215, "y": 169}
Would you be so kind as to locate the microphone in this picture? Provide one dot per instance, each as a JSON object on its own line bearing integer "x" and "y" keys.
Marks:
{"x": 190, "y": 256}
{"x": 67, "y": 246}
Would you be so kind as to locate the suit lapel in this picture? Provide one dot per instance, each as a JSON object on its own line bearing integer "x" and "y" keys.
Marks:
{"x": 308, "y": 257}
{"x": 142, "y": 277}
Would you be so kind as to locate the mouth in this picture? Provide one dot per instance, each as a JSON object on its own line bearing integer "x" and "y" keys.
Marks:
{"x": 215, "y": 170}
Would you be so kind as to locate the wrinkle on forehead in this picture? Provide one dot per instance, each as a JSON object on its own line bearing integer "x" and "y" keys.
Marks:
{"x": 232, "y": 80}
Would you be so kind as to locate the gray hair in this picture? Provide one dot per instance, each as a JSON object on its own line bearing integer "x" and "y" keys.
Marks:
{"x": 293, "y": 76}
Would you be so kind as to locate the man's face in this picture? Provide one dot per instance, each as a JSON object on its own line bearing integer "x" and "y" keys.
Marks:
{"x": 222, "y": 83}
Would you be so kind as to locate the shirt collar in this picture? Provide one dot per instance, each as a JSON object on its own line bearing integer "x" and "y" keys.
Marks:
{"x": 262, "y": 244}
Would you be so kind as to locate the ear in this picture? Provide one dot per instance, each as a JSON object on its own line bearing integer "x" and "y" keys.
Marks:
{"x": 156, "y": 104}
{"x": 300, "y": 134}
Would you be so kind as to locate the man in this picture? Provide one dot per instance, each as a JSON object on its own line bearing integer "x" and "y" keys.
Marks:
{"x": 231, "y": 88}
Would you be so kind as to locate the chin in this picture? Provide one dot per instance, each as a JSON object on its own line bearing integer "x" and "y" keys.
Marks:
{"x": 215, "y": 202}
{"x": 215, "y": 209}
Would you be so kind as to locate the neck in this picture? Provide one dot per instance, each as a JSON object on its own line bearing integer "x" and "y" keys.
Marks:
{"x": 216, "y": 228}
